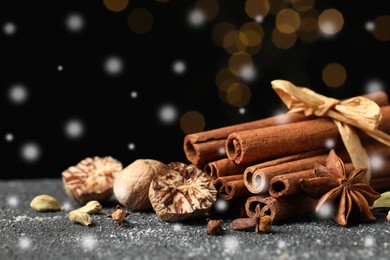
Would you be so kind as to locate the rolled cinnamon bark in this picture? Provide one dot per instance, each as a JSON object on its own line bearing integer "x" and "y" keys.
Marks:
{"x": 220, "y": 183}
{"x": 234, "y": 190}
{"x": 279, "y": 209}
{"x": 203, "y": 147}
{"x": 224, "y": 167}
{"x": 257, "y": 179}
{"x": 289, "y": 184}
{"x": 248, "y": 146}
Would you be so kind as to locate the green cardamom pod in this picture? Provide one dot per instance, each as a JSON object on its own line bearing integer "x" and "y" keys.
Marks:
{"x": 78, "y": 216}
{"x": 383, "y": 202}
{"x": 91, "y": 207}
{"x": 44, "y": 203}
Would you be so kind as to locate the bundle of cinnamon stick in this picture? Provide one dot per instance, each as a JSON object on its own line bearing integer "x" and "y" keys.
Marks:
{"x": 262, "y": 162}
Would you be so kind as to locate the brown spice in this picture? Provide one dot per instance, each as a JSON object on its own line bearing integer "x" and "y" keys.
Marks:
{"x": 119, "y": 215}
{"x": 242, "y": 224}
{"x": 214, "y": 227}
{"x": 265, "y": 224}
{"x": 345, "y": 190}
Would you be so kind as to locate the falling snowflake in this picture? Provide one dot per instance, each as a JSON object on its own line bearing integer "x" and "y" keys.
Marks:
{"x": 113, "y": 65}
{"x": 222, "y": 150}
{"x": 179, "y": 67}
{"x": 167, "y": 113}
{"x": 369, "y": 241}
{"x": 30, "y": 152}
{"x": 9, "y": 137}
{"x": 231, "y": 245}
{"x": 133, "y": 94}
{"x": 326, "y": 211}
{"x": 12, "y": 201}
{"x": 369, "y": 26}
{"x": 88, "y": 243}
{"x": 248, "y": 73}
{"x": 18, "y": 93}
{"x": 330, "y": 143}
{"x": 241, "y": 110}
{"x": 9, "y": 28}
{"x": 131, "y": 146}
{"x": 24, "y": 243}
{"x": 67, "y": 206}
{"x": 177, "y": 227}
{"x": 196, "y": 18}
{"x": 259, "y": 19}
{"x": 374, "y": 85}
{"x": 377, "y": 162}
{"x": 60, "y": 68}
{"x": 221, "y": 205}
{"x": 74, "y": 128}
{"x": 74, "y": 22}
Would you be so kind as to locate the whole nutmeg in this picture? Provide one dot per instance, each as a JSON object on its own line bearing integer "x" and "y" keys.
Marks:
{"x": 131, "y": 185}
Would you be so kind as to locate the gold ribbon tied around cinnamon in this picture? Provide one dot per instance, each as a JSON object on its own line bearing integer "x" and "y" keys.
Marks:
{"x": 358, "y": 112}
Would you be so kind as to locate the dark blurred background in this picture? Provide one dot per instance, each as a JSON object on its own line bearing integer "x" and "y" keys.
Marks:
{"x": 130, "y": 78}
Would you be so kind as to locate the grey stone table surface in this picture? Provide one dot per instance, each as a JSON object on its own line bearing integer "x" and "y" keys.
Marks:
{"x": 26, "y": 234}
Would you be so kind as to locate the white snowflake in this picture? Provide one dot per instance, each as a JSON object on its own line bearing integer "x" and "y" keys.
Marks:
{"x": 9, "y": 137}
{"x": 88, "y": 242}
{"x": 74, "y": 128}
{"x": 377, "y": 162}
{"x": 74, "y": 22}
{"x": 326, "y": 211}
{"x": 18, "y": 93}
{"x": 24, "y": 243}
{"x": 369, "y": 26}
{"x": 133, "y": 94}
{"x": 222, "y": 150}
{"x": 242, "y": 110}
{"x": 196, "y": 18}
{"x": 259, "y": 18}
{"x": 330, "y": 143}
{"x": 30, "y": 152}
{"x": 248, "y": 73}
{"x": 67, "y": 206}
{"x": 12, "y": 201}
{"x": 179, "y": 67}
{"x": 231, "y": 245}
{"x": 131, "y": 146}
{"x": 167, "y": 113}
{"x": 221, "y": 205}
{"x": 369, "y": 241}
{"x": 113, "y": 65}
{"x": 374, "y": 85}
{"x": 60, "y": 68}
{"x": 9, "y": 28}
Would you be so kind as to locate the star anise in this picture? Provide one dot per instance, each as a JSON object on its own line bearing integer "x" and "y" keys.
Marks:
{"x": 345, "y": 191}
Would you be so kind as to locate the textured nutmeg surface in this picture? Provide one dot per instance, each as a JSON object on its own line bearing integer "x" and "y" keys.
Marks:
{"x": 131, "y": 185}
{"x": 181, "y": 192}
{"x": 91, "y": 179}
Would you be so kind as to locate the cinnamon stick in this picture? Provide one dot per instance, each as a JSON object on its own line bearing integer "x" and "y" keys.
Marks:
{"x": 203, "y": 147}
{"x": 220, "y": 182}
{"x": 289, "y": 184}
{"x": 279, "y": 209}
{"x": 248, "y": 146}
{"x": 234, "y": 189}
{"x": 257, "y": 179}
{"x": 224, "y": 167}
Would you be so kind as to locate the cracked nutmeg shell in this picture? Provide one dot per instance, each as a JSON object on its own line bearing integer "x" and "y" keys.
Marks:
{"x": 91, "y": 179}
{"x": 131, "y": 185}
{"x": 180, "y": 192}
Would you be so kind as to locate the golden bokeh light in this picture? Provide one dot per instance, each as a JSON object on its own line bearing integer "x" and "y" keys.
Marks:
{"x": 224, "y": 78}
{"x": 257, "y": 8}
{"x": 303, "y": 5}
{"x": 288, "y": 20}
{"x": 251, "y": 34}
{"x": 192, "y": 122}
{"x": 210, "y": 8}
{"x": 140, "y": 21}
{"x": 381, "y": 29}
{"x": 219, "y": 32}
{"x": 238, "y": 94}
{"x": 309, "y": 37}
{"x": 240, "y": 61}
{"x": 116, "y": 5}
{"x": 330, "y": 21}
{"x": 283, "y": 40}
{"x": 334, "y": 75}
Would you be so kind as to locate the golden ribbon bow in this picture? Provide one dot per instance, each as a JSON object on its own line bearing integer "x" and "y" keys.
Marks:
{"x": 359, "y": 112}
